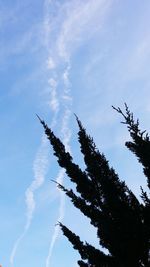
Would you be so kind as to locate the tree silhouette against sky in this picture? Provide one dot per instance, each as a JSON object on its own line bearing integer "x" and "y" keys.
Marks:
{"x": 121, "y": 220}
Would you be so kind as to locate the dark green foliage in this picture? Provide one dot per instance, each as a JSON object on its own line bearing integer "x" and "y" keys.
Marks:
{"x": 122, "y": 222}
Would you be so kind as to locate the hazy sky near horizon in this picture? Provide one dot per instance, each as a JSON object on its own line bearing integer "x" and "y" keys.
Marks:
{"x": 59, "y": 58}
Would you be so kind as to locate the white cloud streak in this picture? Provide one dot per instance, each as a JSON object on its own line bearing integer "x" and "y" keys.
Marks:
{"x": 73, "y": 27}
{"x": 67, "y": 100}
{"x": 78, "y": 20}
{"x": 73, "y": 31}
{"x": 60, "y": 218}
{"x": 39, "y": 168}
{"x": 54, "y": 102}
{"x": 79, "y": 24}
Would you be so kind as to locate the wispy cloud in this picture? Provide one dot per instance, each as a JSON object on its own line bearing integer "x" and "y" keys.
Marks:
{"x": 79, "y": 23}
{"x": 71, "y": 27}
{"x": 40, "y": 164}
{"x": 54, "y": 103}
{"x": 39, "y": 168}
{"x": 66, "y": 134}
{"x": 59, "y": 219}
{"x": 68, "y": 25}
{"x": 61, "y": 212}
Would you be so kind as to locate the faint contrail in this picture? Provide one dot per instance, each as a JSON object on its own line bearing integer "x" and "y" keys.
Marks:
{"x": 61, "y": 212}
{"x": 67, "y": 100}
{"x": 53, "y": 63}
{"x": 74, "y": 22}
{"x": 40, "y": 167}
{"x": 60, "y": 218}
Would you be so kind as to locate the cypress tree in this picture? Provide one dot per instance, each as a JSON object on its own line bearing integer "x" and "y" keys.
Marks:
{"x": 121, "y": 220}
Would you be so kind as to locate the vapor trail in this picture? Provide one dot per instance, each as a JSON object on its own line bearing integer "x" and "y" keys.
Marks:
{"x": 60, "y": 218}
{"x": 40, "y": 167}
{"x": 67, "y": 101}
{"x": 69, "y": 28}
{"x": 61, "y": 212}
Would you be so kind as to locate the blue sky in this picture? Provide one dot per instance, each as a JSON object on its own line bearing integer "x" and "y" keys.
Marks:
{"x": 59, "y": 58}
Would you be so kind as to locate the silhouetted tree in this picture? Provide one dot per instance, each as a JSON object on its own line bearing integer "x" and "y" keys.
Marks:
{"x": 121, "y": 220}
